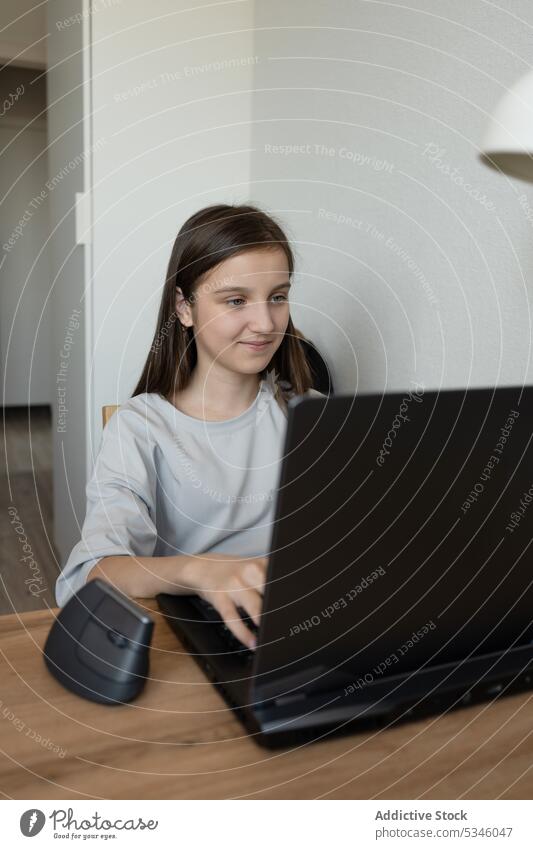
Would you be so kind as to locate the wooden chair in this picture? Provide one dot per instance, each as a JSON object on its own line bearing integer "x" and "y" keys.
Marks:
{"x": 107, "y": 412}
{"x": 321, "y": 376}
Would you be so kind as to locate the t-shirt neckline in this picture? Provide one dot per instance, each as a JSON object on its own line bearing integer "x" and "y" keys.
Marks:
{"x": 234, "y": 423}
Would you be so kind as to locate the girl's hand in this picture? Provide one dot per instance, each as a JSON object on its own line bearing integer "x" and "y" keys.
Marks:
{"x": 228, "y": 582}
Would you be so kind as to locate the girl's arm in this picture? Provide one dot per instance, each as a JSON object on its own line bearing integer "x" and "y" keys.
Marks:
{"x": 145, "y": 577}
{"x": 121, "y": 503}
{"x": 224, "y": 580}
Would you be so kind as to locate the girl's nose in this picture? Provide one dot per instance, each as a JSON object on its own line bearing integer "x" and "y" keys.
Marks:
{"x": 260, "y": 318}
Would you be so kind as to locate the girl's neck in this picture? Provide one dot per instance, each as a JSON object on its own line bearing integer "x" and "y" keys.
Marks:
{"x": 217, "y": 396}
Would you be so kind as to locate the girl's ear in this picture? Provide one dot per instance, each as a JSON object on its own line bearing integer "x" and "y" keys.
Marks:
{"x": 183, "y": 309}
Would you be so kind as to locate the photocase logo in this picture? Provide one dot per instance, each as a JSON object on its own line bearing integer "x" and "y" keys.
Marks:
{"x": 274, "y": 385}
{"x": 31, "y": 822}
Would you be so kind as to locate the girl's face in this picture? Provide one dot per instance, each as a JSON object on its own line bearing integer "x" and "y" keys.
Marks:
{"x": 243, "y": 300}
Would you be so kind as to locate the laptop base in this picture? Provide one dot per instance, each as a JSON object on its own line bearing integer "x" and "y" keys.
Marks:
{"x": 301, "y": 717}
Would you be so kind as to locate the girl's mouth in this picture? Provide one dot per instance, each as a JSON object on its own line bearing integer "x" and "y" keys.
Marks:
{"x": 256, "y": 346}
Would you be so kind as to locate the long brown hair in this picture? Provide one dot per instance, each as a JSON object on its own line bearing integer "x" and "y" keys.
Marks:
{"x": 206, "y": 239}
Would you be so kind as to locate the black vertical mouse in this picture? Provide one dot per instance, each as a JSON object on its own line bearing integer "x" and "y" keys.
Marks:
{"x": 99, "y": 644}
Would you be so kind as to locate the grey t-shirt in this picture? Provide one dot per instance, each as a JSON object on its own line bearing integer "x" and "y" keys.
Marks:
{"x": 165, "y": 483}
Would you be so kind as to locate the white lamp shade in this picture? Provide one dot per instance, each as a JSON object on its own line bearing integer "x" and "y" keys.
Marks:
{"x": 508, "y": 142}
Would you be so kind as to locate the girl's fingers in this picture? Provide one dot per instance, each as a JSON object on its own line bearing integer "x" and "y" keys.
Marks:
{"x": 231, "y": 617}
{"x": 254, "y": 574}
{"x": 251, "y": 602}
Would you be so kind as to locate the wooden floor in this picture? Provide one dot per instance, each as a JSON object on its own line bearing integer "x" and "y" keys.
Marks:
{"x": 26, "y": 512}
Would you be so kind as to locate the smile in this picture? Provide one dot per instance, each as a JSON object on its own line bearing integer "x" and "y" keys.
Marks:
{"x": 256, "y": 346}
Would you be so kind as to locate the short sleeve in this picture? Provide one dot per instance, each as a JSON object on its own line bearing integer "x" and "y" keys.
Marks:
{"x": 121, "y": 502}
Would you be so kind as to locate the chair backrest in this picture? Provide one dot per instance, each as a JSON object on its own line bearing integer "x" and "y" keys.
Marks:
{"x": 107, "y": 412}
{"x": 322, "y": 380}
{"x": 320, "y": 373}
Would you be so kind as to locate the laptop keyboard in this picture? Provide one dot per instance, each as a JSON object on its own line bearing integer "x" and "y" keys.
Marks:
{"x": 211, "y": 614}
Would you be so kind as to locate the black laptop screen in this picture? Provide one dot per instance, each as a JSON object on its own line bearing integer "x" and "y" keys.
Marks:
{"x": 403, "y": 532}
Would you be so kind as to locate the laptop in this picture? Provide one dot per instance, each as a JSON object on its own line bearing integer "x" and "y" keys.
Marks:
{"x": 399, "y": 580}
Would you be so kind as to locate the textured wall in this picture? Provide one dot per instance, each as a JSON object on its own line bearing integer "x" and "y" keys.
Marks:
{"x": 416, "y": 259}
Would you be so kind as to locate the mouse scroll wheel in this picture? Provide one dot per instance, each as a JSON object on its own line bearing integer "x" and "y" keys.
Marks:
{"x": 117, "y": 638}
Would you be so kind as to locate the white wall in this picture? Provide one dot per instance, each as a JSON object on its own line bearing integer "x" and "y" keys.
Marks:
{"x": 24, "y": 230}
{"x": 170, "y": 134}
{"x": 379, "y": 82}
{"x": 23, "y": 33}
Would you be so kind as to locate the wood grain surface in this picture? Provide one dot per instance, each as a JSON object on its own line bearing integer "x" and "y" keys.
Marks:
{"x": 180, "y": 741}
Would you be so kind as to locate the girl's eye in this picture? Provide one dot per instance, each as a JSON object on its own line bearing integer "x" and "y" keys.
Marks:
{"x": 232, "y": 301}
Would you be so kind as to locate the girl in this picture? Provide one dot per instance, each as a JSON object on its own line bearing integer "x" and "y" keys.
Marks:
{"x": 183, "y": 490}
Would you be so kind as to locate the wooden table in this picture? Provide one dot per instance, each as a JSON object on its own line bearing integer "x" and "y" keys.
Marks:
{"x": 180, "y": 741}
